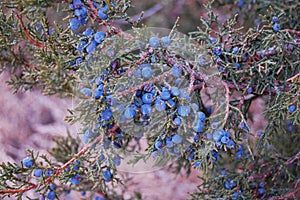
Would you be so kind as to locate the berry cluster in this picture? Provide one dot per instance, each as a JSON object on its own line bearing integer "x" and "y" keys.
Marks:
{"x": 80, "y": 13}
{"x": 276, "y": 25}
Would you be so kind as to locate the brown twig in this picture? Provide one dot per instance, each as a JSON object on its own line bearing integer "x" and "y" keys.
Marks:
{"x": 36, "y": 43}
{"x": 227, "y": 102}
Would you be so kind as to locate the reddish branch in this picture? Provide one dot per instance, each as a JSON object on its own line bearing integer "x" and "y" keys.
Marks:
{"x": 36, "y": 43}
{"x": 292, "y": 159}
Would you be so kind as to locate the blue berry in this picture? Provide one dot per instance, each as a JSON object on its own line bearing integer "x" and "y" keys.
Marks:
{"x": 240, "y": 3}
{"x": 169, "y": 143}
{"x": 225, "y": 139}
{"x": 106, "y": 114}
{"x": 184, "y": 94}
{"x": 201, "y": 116}
{"x": 104, "y": 7}
{"x": 147, "y": 98}
{"x": 176, "y": 70}
{"x": 160, "y": 105}
{"x": 87, "y": 92}
{"x": 138, "y": 73}
{"x": 83, "y": 21}
{"x": 249, "y": 90}
{"x": 217, "y": 135}
{"x": 51, "y": 195}
{"x": 232, "y": 184}
{"x": 154, "y": 42}
{"x": 38, "y": 173}
{"x": 274, "y": 19}
{"x": 129, "y": 113}
{"x": 292, "y": 108}
{"x": 117, "y": 160}
{"x": 261, "y": 184}
{"x": 110, "y": 100}
{"x": 48, "y": 172}
{"x": 146, "y": 109}
{"x": 81, "y": 45}
{"x": 235, "y": 195}
{"x": 74, "y": 24}
{"x": 260, "y": 133}
{"x": 184, "y": 111}
{"x": 223, "y": 173}
{"x": 165, "y": 95}
{"x": 76, "y": 179}
{"x": 227, "y": 185}
{"x": 99, "y": 37}
{"x": 217, "y": 50}
{"x": 102, "y": 15}
{"x": 158, "y": 145}
{"x": 165, "y": 41}
{"x": 147, "y": 72}
{"x": 235, "y": 50}
{"x": 198, "y": 128}
{"x": 77, "y": 3}
{"x": 175, "y": 91}
{"x": 81, "y": 12}
{"x": 88, "y": 32}
{"x": 177, "y": 121}
{"x": 191, "y": 156}
{"x": 212, "y": 40}
{"x": 99, "y": 198}
{"x": 201, "y": 61}
{"x": 196, "y": 137}
{"x": 154, "y": 59}
{"x": 276, "y": 27}
{"x": 27, "y": 162}
{"x": 231, "y": 144}
{"x": 107, "y": 175}
{"x": 171, "y": 103}
{"x": 238, "y": 65}
{"x": 91, "y": 47}
{"x": 197, "y": 164}
{"x": 52, "y": 186}
{"x": 261, "y": 191}
{"x": 176, "y": 139}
